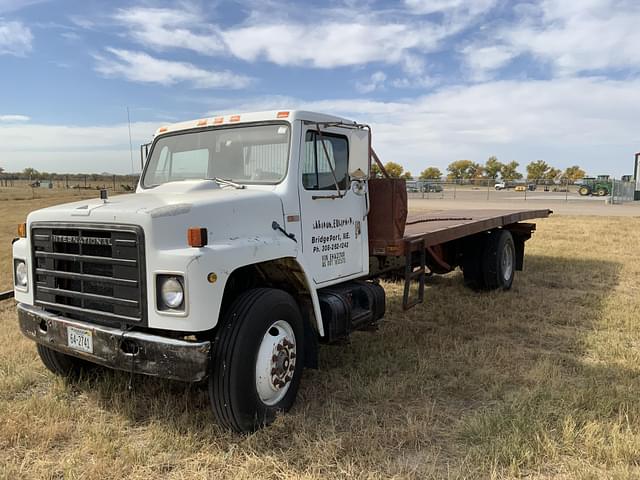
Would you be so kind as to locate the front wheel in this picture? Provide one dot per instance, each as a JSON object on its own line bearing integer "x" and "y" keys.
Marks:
{"x": 584, "y": 191}
{"x": 62, "y": 364}
{"x": 257, "y": 359}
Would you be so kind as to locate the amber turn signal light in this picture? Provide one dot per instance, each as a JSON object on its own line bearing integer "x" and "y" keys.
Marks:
{"x": 197, "y": 237}
{"x": 22, "y": 230}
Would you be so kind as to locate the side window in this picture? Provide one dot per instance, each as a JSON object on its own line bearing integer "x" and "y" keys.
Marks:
{"x": 316, "y": 170}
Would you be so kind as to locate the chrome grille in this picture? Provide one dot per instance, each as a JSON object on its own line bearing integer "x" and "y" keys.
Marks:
{"x": 90, "y": 271}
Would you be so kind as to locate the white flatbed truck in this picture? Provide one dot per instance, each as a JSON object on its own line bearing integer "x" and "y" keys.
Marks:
{"x": 250, "y": 239}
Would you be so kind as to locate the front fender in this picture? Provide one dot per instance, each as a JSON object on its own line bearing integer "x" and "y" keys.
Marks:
{"x": 221, "y": 258}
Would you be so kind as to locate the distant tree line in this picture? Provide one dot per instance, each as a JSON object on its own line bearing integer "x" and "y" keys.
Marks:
{"x": 492, "y": 169}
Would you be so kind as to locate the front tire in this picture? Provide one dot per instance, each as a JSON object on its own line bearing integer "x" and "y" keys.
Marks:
{"x": 257, "y": 360}
{"x": 62, "y": 364}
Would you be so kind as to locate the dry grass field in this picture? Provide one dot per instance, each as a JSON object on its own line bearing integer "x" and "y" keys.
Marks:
{"x": 542, "y": 381}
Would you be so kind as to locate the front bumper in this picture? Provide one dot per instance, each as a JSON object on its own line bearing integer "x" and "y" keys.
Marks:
{"x": 130, "y": 351}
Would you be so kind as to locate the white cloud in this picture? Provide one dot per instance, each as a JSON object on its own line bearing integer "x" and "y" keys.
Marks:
{"x": 591, "y": 122}
{"x": 12, "y": 5}
{"x": 484, "y": 60}
{"x": 473, "y": 8}
{"x": 164, "y": 28}
{"x": 14, "y": 118}
{"x": 331, "y": 44}
{"x": 375, "y": 82}
{"x": 15, "y": 38}
{"x": 575, "y": 37}
{"x": 141, "y": 67}
{"x": 285, "y": 34}
{"x": 68, "y": 148}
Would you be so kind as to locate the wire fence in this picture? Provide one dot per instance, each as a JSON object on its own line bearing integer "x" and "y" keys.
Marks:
{"x": 607, "y": 189}
{"x": 22, "y": 187}
{"x": 610, "y": 190}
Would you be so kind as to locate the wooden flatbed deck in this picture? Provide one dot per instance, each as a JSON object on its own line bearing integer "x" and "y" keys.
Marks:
{"x": 442, "y": 226}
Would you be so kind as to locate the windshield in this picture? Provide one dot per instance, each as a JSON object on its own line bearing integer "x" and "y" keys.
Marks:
{"x": 250, "y": 154}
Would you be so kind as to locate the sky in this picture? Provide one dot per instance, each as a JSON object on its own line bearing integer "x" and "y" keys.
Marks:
{"x": 438, "y": 80}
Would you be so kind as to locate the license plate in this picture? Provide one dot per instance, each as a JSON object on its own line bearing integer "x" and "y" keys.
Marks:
{"x": 81, "y": 340}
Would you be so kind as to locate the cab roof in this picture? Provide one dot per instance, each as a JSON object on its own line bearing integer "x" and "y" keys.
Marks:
{"x": 239, "y": 118}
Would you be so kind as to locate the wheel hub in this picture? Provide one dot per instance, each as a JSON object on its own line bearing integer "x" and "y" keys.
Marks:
{"x": 276, "y": 362}
{"x": 507, "y": 262}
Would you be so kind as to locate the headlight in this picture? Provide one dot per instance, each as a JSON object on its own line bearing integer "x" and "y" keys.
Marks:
{"x": 171, "y": 292}
{"x": 21, "y": 273}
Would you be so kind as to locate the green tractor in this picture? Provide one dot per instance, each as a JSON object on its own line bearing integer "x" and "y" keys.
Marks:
{"x": 599, "y": 186}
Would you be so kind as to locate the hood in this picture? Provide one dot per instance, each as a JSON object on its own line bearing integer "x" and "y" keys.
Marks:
{"x": 167, "y": 211}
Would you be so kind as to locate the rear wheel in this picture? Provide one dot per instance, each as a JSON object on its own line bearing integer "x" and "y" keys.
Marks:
{"x": 61, "y": 364}
{"x": 499, "y": 260}
{"x": 256, "y": 364}
{"x": 584, "y": 191}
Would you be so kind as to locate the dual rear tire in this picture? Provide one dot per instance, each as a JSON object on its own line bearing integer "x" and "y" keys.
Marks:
{"x": 489, "y": 261}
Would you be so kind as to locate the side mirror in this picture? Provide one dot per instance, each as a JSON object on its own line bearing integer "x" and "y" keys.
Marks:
{"x": 144, "y": 153}
{"x": 359, "y": 187}
{"x": 359, "y": 154}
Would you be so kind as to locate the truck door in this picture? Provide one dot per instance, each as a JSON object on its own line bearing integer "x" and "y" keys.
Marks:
{"x": 332, "y": 214}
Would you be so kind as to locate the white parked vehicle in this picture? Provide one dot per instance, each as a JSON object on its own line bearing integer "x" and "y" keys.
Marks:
{"x": 250, "y": 239}
{"x": 500, "y": 185}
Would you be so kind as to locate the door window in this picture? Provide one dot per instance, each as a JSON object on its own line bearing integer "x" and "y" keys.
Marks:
{"x": 321, "y": 153}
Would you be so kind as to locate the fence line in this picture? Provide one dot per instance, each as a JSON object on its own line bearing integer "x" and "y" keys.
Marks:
{"x": 611, "y": 190}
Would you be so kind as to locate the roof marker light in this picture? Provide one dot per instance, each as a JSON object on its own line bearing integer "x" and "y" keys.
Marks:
{"x": 202, "y": 123}
{"x": 282, "y": 115}
{"x": 163, "y": 129}
{"x": 234, "y": 118}
{"x": 218, "y": 120}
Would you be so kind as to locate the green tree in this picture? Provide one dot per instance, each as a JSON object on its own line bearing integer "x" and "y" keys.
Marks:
{"x": 30, "y": 172}
{"x": 537, "y": 170}
{"x": 393, "y": 169}
{"x": 574, "y": 173}
{"x": 475, "y": 170}
{"x": 431, "y": 173}
{"x": 407, "y": 175}
{"x": 459, "y": 169}
{"x": 493, "y": 167}
{"x": 510, "y": 171}
{"x": 552, "y": 173}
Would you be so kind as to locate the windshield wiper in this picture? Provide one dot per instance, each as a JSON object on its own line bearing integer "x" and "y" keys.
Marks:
{"x": 224, "y": 181}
